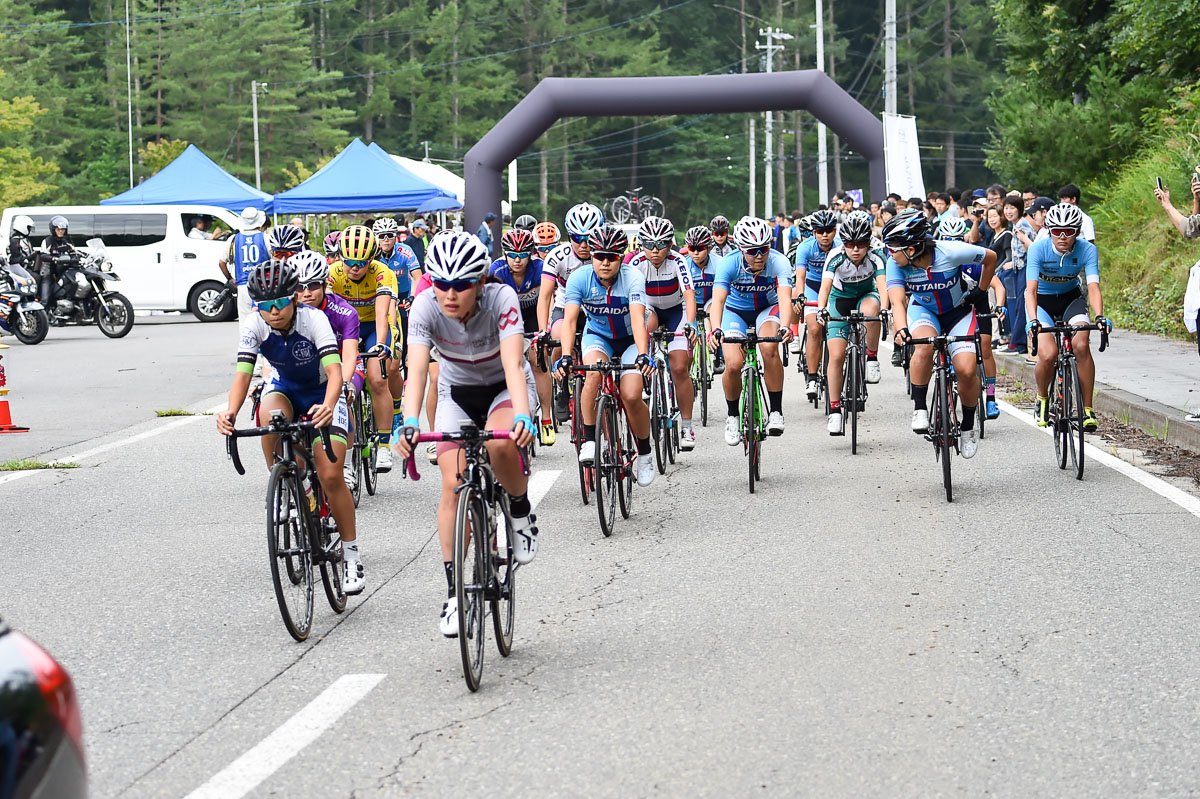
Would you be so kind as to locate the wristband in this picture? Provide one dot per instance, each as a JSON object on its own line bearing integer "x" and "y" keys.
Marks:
{"x": 412, "y": 421}
{"x": 524, "y": 419}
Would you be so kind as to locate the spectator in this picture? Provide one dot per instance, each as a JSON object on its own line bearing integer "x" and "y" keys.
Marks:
{"x": 874, "y": 211}
{"x": 929, "y": 210}
{"x": 913, "y": 202}
{"x": 953, "y": 193}
{"x": 886, "y": 212}
{"x": 199, "y": 228}
{"x": 1025, "y": 232}
{"x": 980, "y": 233}
{"x": 896, "y": 200}
{"x": 1028, "y": 196}
{"x": 1190, "y": 228}
{"x": 1070, "y": 194}
{"x": 417, "y": 240}
{"x": 1012, "y": 273}
{"x": 783, "y": 232}
{"x": 487, "y": 231}
{"x": 995, "y": 195}
{"x": 939, "y": 203}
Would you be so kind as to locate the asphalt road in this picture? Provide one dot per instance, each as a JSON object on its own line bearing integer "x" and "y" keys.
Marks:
{"x": 843, "y": 632}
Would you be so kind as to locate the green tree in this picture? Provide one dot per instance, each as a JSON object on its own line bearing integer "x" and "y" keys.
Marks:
{"x": 23, "y": 176}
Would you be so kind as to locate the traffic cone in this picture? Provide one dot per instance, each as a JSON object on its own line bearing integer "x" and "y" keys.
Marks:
{"x": 6, "y": 423}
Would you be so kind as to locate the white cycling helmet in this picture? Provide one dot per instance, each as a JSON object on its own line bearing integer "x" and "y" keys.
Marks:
{"x": 750, "y": 232}
{"x": 385, "y": 224}
{"x": 582, "y": 219}
{"x": 310, "y": 267}
{"x": 952, "y": 228}
{"x": 23, "y": 224}
{"x": 656, "y": 228}
{"x": 456, "y": 255}
{"x": 1064, "y": 215}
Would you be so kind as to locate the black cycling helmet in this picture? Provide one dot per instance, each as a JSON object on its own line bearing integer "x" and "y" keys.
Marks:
{"x": 823, "y": 218}
{"x": 855, "y": 227}
{"x": 272, "y": 280}
{"x": 698, "y": 236}
{"x": 526, "y": 222}
{"x": 57, "y": 221}
{"x": 608, "y": 239}
{"x": 907, "y": 229}
{"x": 719, "y": 224}
{"x": 804, "y": 224}
{"x": 285, "y": 237}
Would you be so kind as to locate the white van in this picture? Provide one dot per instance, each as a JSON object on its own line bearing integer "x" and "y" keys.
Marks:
{"x": 159, "y": 266}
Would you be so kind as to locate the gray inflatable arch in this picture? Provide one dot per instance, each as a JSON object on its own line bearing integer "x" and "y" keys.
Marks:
{"x": 552, "y": 98}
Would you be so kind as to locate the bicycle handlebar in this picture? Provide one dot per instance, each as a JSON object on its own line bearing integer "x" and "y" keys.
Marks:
{"x": 472, "y": 434}
{"x": 854, "y": 317}
{"x": 1071, "y": 330}
{"x": 602, "y": 366}
{"x": 274, "y": 428}
{"x": 751, "y": 338}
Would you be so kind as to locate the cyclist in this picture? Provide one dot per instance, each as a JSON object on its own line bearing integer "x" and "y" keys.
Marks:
{"x": 853, "y": 279}
{"x": 954, "y": 228}
{"x": 722, "y": 246}
{"x": 756, "y": 284}
{"x": 284, "y": 241}
{"x": 703, "y": 263}
{"x": 523, "y": 273}
{"x": 484, "y": 380}
{"x": 613, "y": 299}
{"x": 1052, "y": 296}
{"x": 810, "y": 266}
{"x": 932, "y": 273}
{"x": 546, "y": 238}
{"x": 331, "y": 245}
{"x": 369, "y": 286}
{"x": 557, "y": 267}
{"x": 525, "y": 222}
{"x": 672, "y": 302}
{"x": 403, "y": 262}
{"x": 306, "y": 376}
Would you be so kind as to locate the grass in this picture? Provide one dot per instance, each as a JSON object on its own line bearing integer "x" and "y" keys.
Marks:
{"x": 27, "y": 465}
{"x": 1160, "y": 434}
{"x": 1125, "y": 418}
{"x": 180, "y": 412}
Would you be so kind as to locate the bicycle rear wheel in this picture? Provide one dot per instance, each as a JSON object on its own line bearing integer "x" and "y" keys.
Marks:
{"x": 627, "y": 454}
{"x": 658, "y": 420}
{"x": 470, "y": 581}
{"x": 1059, "y": 403}
{"x": 287, "y": 544}
{"x": 823, "y": 378}
{"x": 945, "y": 393}
{"x": 332, "y": 566}
{"x": 1076, "y": 433}
{"x": 367, "y": 441}
{"x": 608, "y": 464}
{"x": 503, "y": 603}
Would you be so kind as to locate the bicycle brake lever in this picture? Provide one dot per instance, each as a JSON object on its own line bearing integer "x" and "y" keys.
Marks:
{"x": 410, "y": 469}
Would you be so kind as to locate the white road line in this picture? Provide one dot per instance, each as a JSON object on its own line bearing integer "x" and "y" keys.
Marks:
{"x": 540, "y": 484}
{"x": 1159, "y": 486}
{"x": 245, "y": 774}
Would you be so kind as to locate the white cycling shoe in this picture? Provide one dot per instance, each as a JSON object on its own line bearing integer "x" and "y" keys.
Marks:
{"x": 384, "y": 462}
{"x": 920, "y": 421}
{"x": 733, "y": 436}
{"x": 448, "y": 623}
{"x": 794, "y": 347}
{"x": 525, "y": 540}
{"x": 968, "y": 443}
{"x": 431, "y": 453}
{"x": 687, "y": 440}
{"x": 811, "y": 390}
{"x": 353, "y": 580}
{"x": 349, "y": 476}
{"x": 775, "y": 423}
{"x": 836, "y": 423}
{"x": 587, "y": 453}
{"x": 644, "y": 469}
{"x": 872, "y": 371}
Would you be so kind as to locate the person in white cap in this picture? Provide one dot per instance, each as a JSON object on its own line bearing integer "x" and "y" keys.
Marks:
{"x": 247, "y": 250}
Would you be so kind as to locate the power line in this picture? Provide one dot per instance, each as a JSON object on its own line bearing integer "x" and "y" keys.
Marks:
{"x": 164, "y": 17}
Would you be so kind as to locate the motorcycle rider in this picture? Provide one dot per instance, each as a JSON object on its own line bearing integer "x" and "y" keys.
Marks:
{"x": 20, "y": 248}
{"x": 53, "y": 246}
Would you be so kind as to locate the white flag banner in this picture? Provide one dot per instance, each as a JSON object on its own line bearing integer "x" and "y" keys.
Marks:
{"x": 902, "y": 156}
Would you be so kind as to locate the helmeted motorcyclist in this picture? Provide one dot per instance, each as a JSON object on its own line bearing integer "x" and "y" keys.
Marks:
{"x": 20, "y": 248}
{"x": 53, "y": 247}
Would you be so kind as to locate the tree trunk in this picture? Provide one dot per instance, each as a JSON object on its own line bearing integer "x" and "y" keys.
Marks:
{"x": 799, "y": 125}
{"x": 158, "y": 56}
{"x": 912, "y": 101}
{"x": 454, "y": 85}
{"x": 543, "y": 185}
{"x": 837, "y": 140}
{"x": 634, "y": 170}
{"x": 368, "y": 46}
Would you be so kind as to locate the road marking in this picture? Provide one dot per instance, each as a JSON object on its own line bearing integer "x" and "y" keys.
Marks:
{"x": 1159, "y": 486}
{"x": 540, "y": 484}
{"x": 245, "y": 774}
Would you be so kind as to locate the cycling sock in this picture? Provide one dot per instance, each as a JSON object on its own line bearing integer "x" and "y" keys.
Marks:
{"x": 644, "y": 446}
{"x": 385, "y": 437}
{"x": 449, "y": 567}
{"x": 835, "y": 406}
{"x": 968, "y": 420}
{"x": 350, "y": 550}
{"x": 589, "y": 432}
{"x": 686, "y": 424}
{"x": 990, "y": 387}
{"x": 397, "y": 408}
{"x": 775, "y": 401}
{"x": 872, "y": 355}
{"x": 731, "y": 407}
{"x": 920, "y": 397}
{"x": 519, "y": 505}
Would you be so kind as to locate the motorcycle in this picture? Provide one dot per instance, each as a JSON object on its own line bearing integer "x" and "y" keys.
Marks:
{"x": 80, "y": 294}
{"x": 20, "y": 312}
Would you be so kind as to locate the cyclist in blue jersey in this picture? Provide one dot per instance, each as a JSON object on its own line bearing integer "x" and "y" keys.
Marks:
{"x": 810, "y": 266}
{"x": 523, "y": 273}
{"x": 755, "y": 285}
{"x": 703, "y": 263}
{"x": 1052, "y": 297}
{"x": 306, "y": 378}
{"x": 613, "y": 299}
{"x": 939, "y": 303}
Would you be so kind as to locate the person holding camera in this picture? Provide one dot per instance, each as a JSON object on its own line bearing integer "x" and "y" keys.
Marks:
{"x": 1189, "y": 226}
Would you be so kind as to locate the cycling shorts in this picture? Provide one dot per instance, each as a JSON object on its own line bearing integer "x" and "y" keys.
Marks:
{"x": 369, "y": 336}
{"x": 556, "y": 316}
{"x": 812, "y": 291}
{"x": 1071, "y": 308}
{"x": 301, "y": 399}
{"x": 458, "y": 405}
{"x": 958, "y": 322}
{"x": 672, "y": 319}
{"x": 843, "y": 305}
{"x": 623, "y": 347}
{"x": 738, "y": 322}
{"x": 981, "y": 303}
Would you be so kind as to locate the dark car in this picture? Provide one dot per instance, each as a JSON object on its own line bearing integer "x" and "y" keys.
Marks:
{"x": 41, "y": 735}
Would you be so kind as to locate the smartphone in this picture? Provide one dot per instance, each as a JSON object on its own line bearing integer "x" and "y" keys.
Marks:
{"x": 1160, "y": 186}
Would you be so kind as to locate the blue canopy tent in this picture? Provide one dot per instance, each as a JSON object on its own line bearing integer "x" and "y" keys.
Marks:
{"x": 193, "y": 179}
{"x": 360, "y": 178}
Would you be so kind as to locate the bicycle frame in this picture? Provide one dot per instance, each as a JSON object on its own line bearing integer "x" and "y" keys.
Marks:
{"x": 943, "y": 416}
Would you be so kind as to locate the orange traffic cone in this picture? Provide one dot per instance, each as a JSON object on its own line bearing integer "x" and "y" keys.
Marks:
{"x": 6, "y": 423}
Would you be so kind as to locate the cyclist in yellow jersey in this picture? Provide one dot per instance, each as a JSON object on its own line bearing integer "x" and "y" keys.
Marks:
{"x": 370, "y": 287}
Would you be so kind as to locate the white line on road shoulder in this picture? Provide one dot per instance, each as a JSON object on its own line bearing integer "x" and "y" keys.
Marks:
{"x": 245, "y": 774}
{"x": 540, "y": 484}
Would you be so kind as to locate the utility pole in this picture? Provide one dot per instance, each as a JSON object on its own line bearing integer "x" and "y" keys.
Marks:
{"x": 773, "y": 35}
{"x": 822, "y": 155}
{"x": 753, "y": 183}
{"x": 425, "y": 144}
{"x": 889, "y": 57}
{"x": 129, "y": 86}
{"x": 255, "y": 88}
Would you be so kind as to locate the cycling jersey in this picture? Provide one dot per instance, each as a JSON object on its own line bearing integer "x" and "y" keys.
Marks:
{"x": 811, "y": 258}
{"x": 849, "y": 279}
{"x": 246, "y": 251}
{"x": 560, "y": 263}
{"x": 529, "y": 290}
{"x": 749, "y": 292}
{"x": 719, "y": 251}
{"x": 939, "y": 288}
{"x": 665, "y": 284}
{"x": 299, "y": 355}
{"x": 361, "y": 294}
{"x": 702, "y": 279}
{"x": 402, "y": 261}
{"x": 342, "y": 318}
{"x": 607, "y": 307}
{"x": 1058, "y": 273}
{"x": 469, "y": 352}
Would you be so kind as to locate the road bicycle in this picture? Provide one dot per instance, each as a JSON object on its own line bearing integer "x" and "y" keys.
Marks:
{"x": 997, "y": 315}
{"x": 664, "y": 405}
{"x": 616, "y": 449}
{"x": 854, "y": 373}
{"x": 485, "y": 571}
{"x": 701, "y": 370}
{"x": 300, "y": 537}
{"x": 633, "y": 206}
{"x": 1066, "y": 399}
{"x": 364, "y": 452}
{"x": 752, "y": 402}
{"x": 944, "y": 427}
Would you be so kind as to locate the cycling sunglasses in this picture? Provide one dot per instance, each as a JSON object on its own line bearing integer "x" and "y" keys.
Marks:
{"x": 859, "y": 243}
{"x": 283, "y": 254}
{"x": 606, "y": 256}
{"x": 1063, "y": 232}
{"x": 353, "y": 264}
{"x": 516, "y": 256}
{"x": 313, "y": 286}
{"x": 453, "y": 285}
{"x": 656, "y": 244}
{"x": 385, "y": 236}
{"x": 272, "y": 305}
{"x": 546, "y": 247}
{"x": 579, "y": 239}
{"x": 697, "y": 247}
{"x": 755, "y": 252}
{"x": 824, "y": 229}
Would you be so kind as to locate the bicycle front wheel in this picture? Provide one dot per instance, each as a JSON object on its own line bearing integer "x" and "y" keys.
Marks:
{"x": 945, "y": 433}
{"x": 354, "y": 453}
{"x": 470, "y": 581}
{"x": 627, "y": 452}
{"x": 622, "y": 210}
{"x": 1060, "y": 404}
{"x": 854, "y": 381}
{"x": 1077, "y": 416}
{"x": 673, "y": 418}
{"x": 287, "y": 546}
{"x": 367, "y": 442}
{"x": 332, "y": 566}
{"x": 750, "y": 438}
{"x": 705, "y": 378}
{"x": 608, "y": 465}
{"x": 585, "y": 472}
{"x": 658, "y": 420}
{"x": 981, "y": 406}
